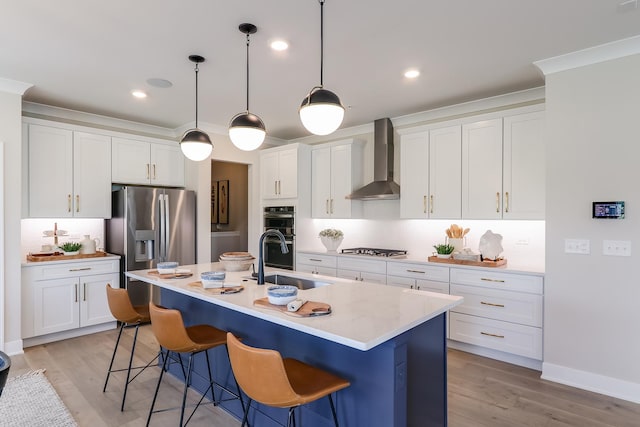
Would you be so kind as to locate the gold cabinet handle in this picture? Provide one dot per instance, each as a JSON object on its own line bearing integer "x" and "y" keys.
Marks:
{"x": 148, "y": 177}
{"x": 154, "y": 171}
{"x": 424, "y": 204}
{"x": 326, "y": 207}
{"x": 76, "y": 292}
{"x": 491, "y": 335}
{"x": 80, "y": 269}
{"x": 279, "y": 187}
{"x": 491, "y": 304}
{"x": 498, "y": 202}
{"x": 331, "y": 204}
{"x": 68, "y": 202}
{"x": 491, "y": 280}
{"x": 77, "y": 203}
{"x": 431, "y": 204}
{"x": 415, "y": 271}
{"x": 84, "y": 292}
{"x": 315, "y": 260}
{"x": 506, "y": 203}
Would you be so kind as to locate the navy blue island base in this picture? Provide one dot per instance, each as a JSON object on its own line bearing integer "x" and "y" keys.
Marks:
{"x": 401, "y": 382}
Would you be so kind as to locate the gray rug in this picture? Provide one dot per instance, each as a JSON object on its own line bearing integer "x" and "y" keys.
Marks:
{"x": 29, "y": 400}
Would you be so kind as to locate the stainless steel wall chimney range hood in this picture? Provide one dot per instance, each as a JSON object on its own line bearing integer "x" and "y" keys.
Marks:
{"x": 383, "y": 186}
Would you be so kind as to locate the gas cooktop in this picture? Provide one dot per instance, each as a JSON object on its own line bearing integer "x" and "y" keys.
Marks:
{"x": 388, "y": 253}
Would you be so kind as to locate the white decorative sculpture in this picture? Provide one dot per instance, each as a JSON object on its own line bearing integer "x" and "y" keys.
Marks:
{"x": 490, "y": 245}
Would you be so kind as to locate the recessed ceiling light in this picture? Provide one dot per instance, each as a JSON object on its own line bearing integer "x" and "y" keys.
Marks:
{"x": 162, "y": 83}
{"x": 138, "y": 94}
{"x": 412, "y": 73}
{"x": 279, "y": 45}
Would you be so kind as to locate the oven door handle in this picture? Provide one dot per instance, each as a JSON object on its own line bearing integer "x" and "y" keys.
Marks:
{"x": 278, "y": 216}
{"x": 268, "y": 240}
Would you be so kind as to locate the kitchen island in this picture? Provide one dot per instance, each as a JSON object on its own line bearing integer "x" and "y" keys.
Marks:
{"x": 388, "y": 342}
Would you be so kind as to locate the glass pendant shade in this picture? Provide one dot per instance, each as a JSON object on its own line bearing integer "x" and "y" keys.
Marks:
{"x": 247, "y": 131}
{"x": 321, "y": 111}
{"x": 196, "y": 145}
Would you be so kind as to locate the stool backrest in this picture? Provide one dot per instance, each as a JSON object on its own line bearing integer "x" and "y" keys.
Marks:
{"x": 261, "y": 374}
{"x": 168, "y": 327}
{"x": 120, "y": 305}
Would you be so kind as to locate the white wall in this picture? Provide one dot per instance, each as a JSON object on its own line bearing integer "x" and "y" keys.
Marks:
{"x": 591, "y": 301}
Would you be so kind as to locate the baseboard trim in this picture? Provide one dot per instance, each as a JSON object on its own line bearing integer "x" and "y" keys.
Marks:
{"x": 13, "y": 348}
{"x": 72, "y": 333}
{"x": 596, "y": 383}
{"x": 497, "y": 355}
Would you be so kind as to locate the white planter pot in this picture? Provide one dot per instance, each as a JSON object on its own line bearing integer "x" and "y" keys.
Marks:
{"x": 331, "y": 244}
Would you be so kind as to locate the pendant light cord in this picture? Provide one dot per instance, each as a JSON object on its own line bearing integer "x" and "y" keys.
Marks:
{"x": 321, "y": 41}
{"x": 247, "y": 73}
{"x": 197, "y": 95}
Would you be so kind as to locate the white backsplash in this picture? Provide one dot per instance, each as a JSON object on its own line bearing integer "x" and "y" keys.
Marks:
{"x": 33, "y": 237}
{"x": 523, "y": 241}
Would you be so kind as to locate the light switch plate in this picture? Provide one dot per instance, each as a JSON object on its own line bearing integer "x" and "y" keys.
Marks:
{"x": 577, "y": 246}
{"x": 616, "y": 247}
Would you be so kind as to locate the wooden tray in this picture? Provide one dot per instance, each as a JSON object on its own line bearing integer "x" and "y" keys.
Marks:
{"x": 58, "y": 256}
{"x": 485, "y": 263}
{"x": 170, "y": 275}
{"x": 219, "y": 291}
{"x": 309, "y": 309}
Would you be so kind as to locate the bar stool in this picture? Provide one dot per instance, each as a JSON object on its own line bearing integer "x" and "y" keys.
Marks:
{"x": 128, "y": 316}
{"x": 168, "y": 327}
{"x": 267, "y": 378}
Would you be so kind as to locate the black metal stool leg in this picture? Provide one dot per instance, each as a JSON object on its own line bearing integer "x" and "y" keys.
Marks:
{"x": 333, "y": 410}
{"x": 213, "y": 393}
{"x": 113, "y": 356}
{"x": 126, "y": 384}
{"x": 155, "y": 395}
{"x": 186, "y": 387}
{"x": 245, "y": 421}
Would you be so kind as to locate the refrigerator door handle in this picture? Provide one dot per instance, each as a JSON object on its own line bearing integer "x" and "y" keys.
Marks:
{"x": 167, "y": 232}
{"x": 161, "y": 212}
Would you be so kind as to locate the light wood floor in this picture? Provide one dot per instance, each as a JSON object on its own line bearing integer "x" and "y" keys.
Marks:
{"x": 482, "y": 392}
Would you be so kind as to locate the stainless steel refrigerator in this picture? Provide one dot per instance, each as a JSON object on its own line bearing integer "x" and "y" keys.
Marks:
{"x": 147, "y": 226}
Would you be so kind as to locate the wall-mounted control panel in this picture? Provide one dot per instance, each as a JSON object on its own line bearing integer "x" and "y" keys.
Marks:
{"x": 608, "y": 210}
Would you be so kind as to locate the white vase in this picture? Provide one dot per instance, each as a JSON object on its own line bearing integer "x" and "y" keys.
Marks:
{"x": 457, "y": 243}
{"x": 331, "y": 244}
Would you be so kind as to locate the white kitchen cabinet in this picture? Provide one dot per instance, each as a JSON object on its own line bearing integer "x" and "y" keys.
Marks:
{"x": 279, "y": 172}
{"x": 364, "y": 270}
{"x": 147, "y": 163}
{"x": 500, "y": 311}
{"x": 482, "y": 169}
{"x": 336, "y": 170}
{"x": 67, "y": 297}
{"x": 431, "y": 174}
{"x": 418, "y": 276}
{"x": 524, "y": 167}
{"x": 316, "y": 264}
{"x": 69, "y": 173}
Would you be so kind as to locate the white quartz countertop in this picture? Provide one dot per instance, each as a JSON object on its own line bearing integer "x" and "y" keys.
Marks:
{"x": 363, "y": 315}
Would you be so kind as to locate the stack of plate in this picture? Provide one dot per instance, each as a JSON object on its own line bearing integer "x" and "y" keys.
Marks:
{"x": 236, "y": 261}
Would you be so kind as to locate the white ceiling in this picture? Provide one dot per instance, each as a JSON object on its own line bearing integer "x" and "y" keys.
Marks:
{"x": 88, "y": 55}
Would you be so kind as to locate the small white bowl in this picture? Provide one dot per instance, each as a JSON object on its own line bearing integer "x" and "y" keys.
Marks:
{"x": 281, "y": 294}
{"x": 212, "y": 279}
{"x": 168, "y": 267}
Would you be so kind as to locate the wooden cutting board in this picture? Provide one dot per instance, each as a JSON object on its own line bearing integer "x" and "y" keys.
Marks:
{"x": 58, "y": 256}
{"x": 485, "y": 263}
{"x": 309, "y": 309}
{"x": 171, "y": 275}
{"x": 219, "y": 291}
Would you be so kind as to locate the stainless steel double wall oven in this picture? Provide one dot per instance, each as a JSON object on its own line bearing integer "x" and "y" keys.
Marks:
{"x": 279, "y": 218}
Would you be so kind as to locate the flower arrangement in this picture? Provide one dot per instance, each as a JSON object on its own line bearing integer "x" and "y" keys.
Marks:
{"x": 331, "y": 233}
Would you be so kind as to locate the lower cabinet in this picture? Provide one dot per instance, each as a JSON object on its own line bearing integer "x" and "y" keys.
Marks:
{"x": 61, "y": 296}
{"x": 316, "y": 264}
{"x": 418, "y": 276}
{"x": 364, "y": 270}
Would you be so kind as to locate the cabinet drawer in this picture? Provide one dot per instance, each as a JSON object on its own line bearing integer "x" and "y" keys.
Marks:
{"x": 496, "y": 280}
{"x": 368, "y": 265}
{"x": 522, "y": 308}
{"x": 76, "y": 269}
{"x": 418, "y": 271}
{"x": 362, "y": 276}
{"x": 503, "y": 336}
{"x": 314, "y": 259}
{"x": 313, "y": 269}
{"x": 421, "y": 285}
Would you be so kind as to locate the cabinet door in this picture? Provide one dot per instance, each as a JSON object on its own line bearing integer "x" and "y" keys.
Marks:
{"x": 341, "y": 181}
{"x": 50, "y": 172}
{"x": 167, "y": 165}
{"x": 482, "y": 170}
{"x": 524, "y": 167}
{"x": 414, "y": 175}
{"x": 288, "y": 174}
{"x": 445, "y": 173}
{"x": 269, "y": 164}
{"x": 91, "y": 175}
{"x": 321, "y": 182}
{"x": 55, "y": 305}
{"x": 94, "y": 308}
{"x": 130, "y": 161}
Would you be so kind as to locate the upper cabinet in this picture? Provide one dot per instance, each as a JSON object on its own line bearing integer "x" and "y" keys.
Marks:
{"x": 69, "y": 173}
{"x": 336, "y": 170}
{"x": 147, "y": 163}
{"x": 279, "y": 171}
{"x": 430, "y": 175}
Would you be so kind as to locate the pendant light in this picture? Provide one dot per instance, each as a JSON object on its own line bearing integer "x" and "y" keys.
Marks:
{"x": 321, "y": 111}
{"x": 247, "y": 130}
{"x": 195, "y": 143}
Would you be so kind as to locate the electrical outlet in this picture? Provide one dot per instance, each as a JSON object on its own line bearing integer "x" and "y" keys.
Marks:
{"x": 577, "y": 246}
{"x": 522, "y": 242}
{"x": 616, "y": 247}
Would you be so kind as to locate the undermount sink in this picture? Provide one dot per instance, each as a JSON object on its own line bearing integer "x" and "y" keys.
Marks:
{"x": 281, "y": 279}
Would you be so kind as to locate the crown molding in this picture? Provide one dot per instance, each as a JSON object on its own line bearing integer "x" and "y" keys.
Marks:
{"x": 14, "y": 86}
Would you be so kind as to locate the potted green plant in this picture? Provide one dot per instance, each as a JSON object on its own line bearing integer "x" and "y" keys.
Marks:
{"x": 444, "y": 250}
{"x": 70, "y": 248}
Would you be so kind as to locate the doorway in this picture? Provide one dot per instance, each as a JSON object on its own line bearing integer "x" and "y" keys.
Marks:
{"x": 229, "y": 208}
